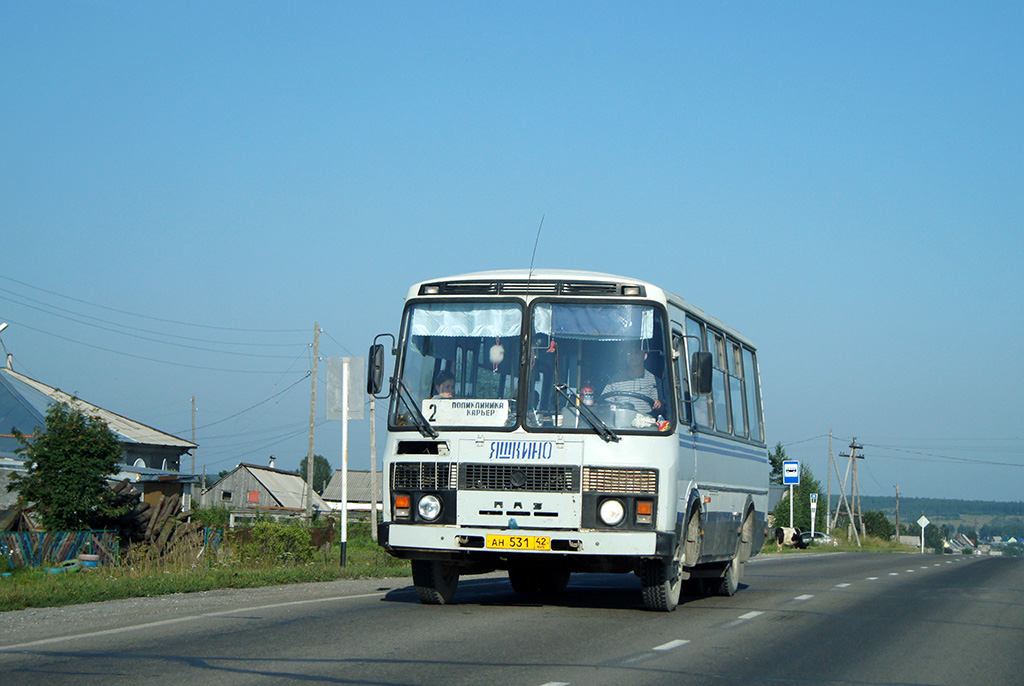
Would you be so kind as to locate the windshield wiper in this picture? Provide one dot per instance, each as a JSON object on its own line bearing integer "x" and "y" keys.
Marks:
{"x": 600, "y": 427}
{"x": 424, "y": 427}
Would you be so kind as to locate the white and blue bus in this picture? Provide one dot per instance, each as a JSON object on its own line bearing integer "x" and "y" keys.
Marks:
{"x": 550, "y": 422}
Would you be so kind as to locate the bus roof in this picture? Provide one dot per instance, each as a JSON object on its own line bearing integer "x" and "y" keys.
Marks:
{"x": 511, "y": 282}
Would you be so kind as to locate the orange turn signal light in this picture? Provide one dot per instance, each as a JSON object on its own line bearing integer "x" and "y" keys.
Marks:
{"x": 402, "y": 502}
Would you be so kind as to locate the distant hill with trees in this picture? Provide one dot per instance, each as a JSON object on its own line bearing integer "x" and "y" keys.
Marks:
{"x": 987, "y": 519}
{"x": 945, "y": 508}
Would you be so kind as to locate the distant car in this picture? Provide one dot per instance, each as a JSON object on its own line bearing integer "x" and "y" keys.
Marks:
{"x": 818, "y": 538}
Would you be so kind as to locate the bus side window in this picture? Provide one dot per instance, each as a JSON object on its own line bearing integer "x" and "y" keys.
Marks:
{"x": 752, "y": 393}
{"x": 739, "y": 426}
{"x": 719, "y": 394}
{"x": 682, "y": 379}
{"x": 694, "y": 343}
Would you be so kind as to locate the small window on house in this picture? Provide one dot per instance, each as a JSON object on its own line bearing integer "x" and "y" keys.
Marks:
{"x": 254, "y": 496}
{"x": 139, "y": 462}
{"x": 225, "y": 495}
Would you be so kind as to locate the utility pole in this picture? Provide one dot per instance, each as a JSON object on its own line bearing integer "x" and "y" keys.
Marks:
{"x": 897, "y": 512}
{"x": 312, "y": 425}
{"x": 856, "y": 514}
{"x": 852, "y": 530}
{"x": 193, "y": 434}
{"x": 828, "y": 505}
{"x": 193, "y": 451}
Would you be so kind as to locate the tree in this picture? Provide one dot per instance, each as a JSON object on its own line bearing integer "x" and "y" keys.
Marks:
{"x": 801, "y": 500}
{"x": 322, "y": 472}
{"x": 68, "y": 462}
{"x": 776, "y": 458}
{"x": 932, "y": 535}
{"x": 878, "y": 525}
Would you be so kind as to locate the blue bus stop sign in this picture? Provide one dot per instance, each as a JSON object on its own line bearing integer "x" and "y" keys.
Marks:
{"x": 791, "y": 473}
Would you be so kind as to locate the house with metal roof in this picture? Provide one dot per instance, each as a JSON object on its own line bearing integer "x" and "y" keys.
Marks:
{"x": 151, "y": 457}
{"x": 359, "y": 490}
{"x": 250, "y": 490}
{"x": 23, "y": 406}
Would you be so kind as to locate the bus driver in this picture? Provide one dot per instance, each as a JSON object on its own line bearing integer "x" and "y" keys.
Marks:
{"x": 635, "y": 381}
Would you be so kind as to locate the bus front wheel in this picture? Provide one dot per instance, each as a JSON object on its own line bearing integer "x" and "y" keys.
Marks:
{"x": 661, "y": 583}
{"x": 435, "y": 581}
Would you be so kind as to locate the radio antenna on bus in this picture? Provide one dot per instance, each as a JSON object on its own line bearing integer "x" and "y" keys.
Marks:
{"x": 529, "y": 276}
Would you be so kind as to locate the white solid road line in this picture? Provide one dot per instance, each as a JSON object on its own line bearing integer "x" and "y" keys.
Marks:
{"x": 177, "y": 620}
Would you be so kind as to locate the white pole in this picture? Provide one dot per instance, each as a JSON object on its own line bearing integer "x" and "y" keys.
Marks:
{"x": 922, "y": 539}
{"x": 814, "y": 512}
{"x": 791, "y": 506}
{"x": 344, "y": 460}
{"x": 373, "y": 471}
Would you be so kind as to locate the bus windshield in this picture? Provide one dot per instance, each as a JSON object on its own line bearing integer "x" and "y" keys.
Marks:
{"x": 461, "y": 361}
{"x": 609, "y": 356}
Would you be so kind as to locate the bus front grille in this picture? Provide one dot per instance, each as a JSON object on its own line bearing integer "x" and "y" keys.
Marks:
{"x": 416, "y": 476}
{"x": 535, "y": 478}
{"x": 615, "y": 480}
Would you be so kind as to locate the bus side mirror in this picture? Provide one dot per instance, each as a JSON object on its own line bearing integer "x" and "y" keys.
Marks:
{"x": 700, "y": 370}
{"x": 375, "y": 369}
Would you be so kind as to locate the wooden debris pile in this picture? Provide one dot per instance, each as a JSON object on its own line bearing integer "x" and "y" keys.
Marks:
{"x": 162, "y": 527}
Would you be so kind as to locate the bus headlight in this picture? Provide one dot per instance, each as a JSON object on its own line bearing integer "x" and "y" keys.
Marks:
{"x": 429, "y": 507}
{"x": 611, "y": 512}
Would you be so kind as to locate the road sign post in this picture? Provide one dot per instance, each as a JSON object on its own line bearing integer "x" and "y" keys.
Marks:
{"x": 791, "y": 478}
{"x": 923, "y": 522}
{"x": 344, "y": 401}
{"x": 814, "y": 511}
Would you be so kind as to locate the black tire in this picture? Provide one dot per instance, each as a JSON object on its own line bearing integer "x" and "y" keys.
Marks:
{"x": 733, "y": 572}
{"x": 523, "y": 579}
{"x": 660, "y": 580}
{"x": 661, "y": 584}
{"x": 730, "y": 582}
{"x": 554, "y": 581}
{"x": 435, "y": 581}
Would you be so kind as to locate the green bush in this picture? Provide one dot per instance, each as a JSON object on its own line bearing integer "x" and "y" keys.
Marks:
{"x": 213, "y": 517}
{"x": 277, "y": 543}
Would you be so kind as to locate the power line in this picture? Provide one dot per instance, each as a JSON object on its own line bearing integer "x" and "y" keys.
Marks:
{"x": 171, "y": 343}
{"x": 46, "y": 309}
{"x": 942, "y": 458}
{"x": 252, "y": 407}
{"x": 140, "y": 357}
{"x": 144, "y": 316}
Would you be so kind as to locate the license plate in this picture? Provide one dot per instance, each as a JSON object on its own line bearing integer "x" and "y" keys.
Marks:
{"x": 519, "y": 542}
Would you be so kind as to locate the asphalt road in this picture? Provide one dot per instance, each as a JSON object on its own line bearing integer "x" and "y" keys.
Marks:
{"x": 803, "y": 619}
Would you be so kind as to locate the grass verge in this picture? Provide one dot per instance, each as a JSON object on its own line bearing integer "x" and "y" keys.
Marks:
{"x": 140, "y": 578}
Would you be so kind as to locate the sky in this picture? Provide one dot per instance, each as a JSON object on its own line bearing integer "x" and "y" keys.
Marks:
{"x": 188, "y": 188}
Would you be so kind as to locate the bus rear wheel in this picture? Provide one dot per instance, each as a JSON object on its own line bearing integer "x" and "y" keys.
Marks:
{"x": 435, "y": 581}
{"x": 729, "y": 583}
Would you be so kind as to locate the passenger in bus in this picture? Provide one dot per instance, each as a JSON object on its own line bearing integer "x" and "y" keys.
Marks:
{"x": 444, "y": 385}
{"x": 636, "y": 384}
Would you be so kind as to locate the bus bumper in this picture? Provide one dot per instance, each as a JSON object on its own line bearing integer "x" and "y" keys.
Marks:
{"x": 402, "y": 538}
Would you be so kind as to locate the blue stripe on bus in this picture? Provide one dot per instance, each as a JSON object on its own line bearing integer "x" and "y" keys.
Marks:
{"x": 727, "y": 449}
